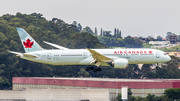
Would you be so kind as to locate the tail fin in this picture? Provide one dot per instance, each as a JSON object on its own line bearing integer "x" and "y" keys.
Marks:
{"x": 29, "y": 44}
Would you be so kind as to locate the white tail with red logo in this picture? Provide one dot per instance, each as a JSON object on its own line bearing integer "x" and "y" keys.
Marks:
{"x": 29, "y": 44}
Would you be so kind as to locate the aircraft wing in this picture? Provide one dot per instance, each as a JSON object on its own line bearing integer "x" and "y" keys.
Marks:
{"x": 57, "y": 46}
{"x": 99, "y": 57}
{"x": 24, "y": 54}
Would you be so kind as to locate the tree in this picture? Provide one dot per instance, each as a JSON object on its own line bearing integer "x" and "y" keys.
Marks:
{"x": 4, "y": 83}
{"x": 129, "y": 92}
{"x": 145, "y": 69}
{"x": 74, "y": 23}
{"x": 137, "y": 43}
{"x": 118, "y": 98}
{"x": 162, "y": 73}
{"x": 104, "y": 33}
{"x": 132, "y": 43}
{"x": 107, "y": 33}
{"x": 129, "y": 71}
{"x": 83, "y": 73}
{"x": 137, "y": 71}
{"x": 79, "y": 27}
{"x": 150, "y": 38}
{"x": 117, "y": 32}
{"x": 159, "y": 38}
{"x": 38, "y": 16}
{"x": 89, "y": 31}
{"x": 129, "y": 42}
{"x": 168, "y": 34}
{"x": 54, "y": 19}
{"x": 173, "y": 93}
{"x": 129, "y": 95}
{"x": 114, "y": 31}
{"x": 118, "y": 35}
{"x": 178, "y": 38}
{"x": 95, "y": 31}
{"x": 150, "y": 97}
{"x": 101, "y": 32}
{"x": 172, "y": 65}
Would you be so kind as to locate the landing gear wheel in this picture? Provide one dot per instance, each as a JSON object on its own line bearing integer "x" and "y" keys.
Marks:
{"x": 99, "y": 69}
{"x": 91, "y": 68}
{"x": 87, "y": 69}
{"x": 95, "y": 70}
{"x": 157, "y": 67}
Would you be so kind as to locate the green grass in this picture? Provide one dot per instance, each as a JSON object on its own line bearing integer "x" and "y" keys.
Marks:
{"x": 175, "y": 48}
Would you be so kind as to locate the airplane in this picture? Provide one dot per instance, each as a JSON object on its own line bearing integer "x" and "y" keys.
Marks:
{"x": 94, "y": 58}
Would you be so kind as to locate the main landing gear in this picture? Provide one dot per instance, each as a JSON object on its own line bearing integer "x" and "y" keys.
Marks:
{"x": 94, "y": 68}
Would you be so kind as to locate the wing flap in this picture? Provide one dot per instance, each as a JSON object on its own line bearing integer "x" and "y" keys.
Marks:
{"x": 99, "y": 57}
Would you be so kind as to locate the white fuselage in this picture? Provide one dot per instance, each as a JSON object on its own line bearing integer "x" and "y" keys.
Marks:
{"x": 84, "y": 57}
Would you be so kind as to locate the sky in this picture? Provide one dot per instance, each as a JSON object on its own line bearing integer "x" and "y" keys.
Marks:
{"x": 133, "y": 17}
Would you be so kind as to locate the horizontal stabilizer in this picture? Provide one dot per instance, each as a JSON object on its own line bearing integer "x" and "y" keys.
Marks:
{"x": 57, "y": 46}
{"x": 30, "y": 55}
{"x": 15, "y": 53}
{"x": 24, "y": 54}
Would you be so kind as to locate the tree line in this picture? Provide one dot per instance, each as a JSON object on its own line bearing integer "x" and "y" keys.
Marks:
{"x": 109, "y": 39}
{"x": 171, "y": 94}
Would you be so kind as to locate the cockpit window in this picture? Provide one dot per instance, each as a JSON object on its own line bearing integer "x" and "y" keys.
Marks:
{"x": 165, "y": 54}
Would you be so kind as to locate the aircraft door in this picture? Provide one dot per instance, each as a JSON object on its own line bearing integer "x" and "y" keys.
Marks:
{"x": 84, "y": 55}
{"x": 59, "y": 59}
{"x": 157, "y": 55}
{"x": 49, "y": 56}
{"x": 127, "y": 55}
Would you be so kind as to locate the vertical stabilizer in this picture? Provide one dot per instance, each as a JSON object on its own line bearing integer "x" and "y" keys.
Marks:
{"x": 29, "y": 44}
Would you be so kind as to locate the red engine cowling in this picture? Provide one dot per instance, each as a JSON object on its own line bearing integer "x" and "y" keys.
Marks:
{"x": 119, "y": 63}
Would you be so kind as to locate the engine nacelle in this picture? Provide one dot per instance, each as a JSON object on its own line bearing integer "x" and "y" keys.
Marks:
{"x": 119, "y": 63}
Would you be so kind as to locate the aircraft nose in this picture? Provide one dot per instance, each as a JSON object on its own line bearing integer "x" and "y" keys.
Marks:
{"x": 167, "y": 58}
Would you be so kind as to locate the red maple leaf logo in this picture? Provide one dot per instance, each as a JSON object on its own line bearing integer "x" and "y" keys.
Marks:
{"x": 150, "y": 52}
{"x": 28, "y": 43}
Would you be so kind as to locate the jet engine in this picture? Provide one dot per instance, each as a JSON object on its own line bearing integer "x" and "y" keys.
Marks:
{"x": 119, "y": 63}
